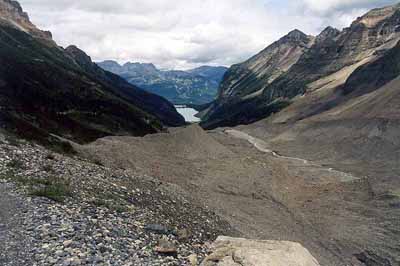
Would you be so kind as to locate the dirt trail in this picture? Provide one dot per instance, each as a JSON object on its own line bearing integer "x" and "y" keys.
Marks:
{"x": 14, "y": 245}
{"x": 262, "y": 146}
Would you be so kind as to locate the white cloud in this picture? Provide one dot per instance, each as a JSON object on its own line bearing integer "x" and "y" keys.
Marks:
{"x": 343, "y": 5}
{"x": 185, "y": 33}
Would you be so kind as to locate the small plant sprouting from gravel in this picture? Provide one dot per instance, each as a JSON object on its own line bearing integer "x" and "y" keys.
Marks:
{"x": 120, "y": 208}
{"x": 56, "y": 189}
{"x": 395, "y": 193}
{"x": 117, "y": 207}
{"x": 53, "y": 188}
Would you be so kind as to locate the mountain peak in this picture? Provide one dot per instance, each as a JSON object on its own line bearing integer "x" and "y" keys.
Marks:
{"x": 111, "y": 63}
{"x": 140, "y": 66}
{"x": 79, "y": 56}
{"x": 330, "y": 30}
{"x": 328, "y": 33}
{"x": 296, "y": 34}
{"x": 12, "y": 13}
{"x": 375, "y": 16}
{"x": 13, "y": 10}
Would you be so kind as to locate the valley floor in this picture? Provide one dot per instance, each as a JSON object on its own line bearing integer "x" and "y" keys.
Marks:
{"x": 224, "y": 182}
{"x": 265, "y": 195}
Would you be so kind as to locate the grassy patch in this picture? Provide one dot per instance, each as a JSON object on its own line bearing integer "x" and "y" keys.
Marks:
{"x": 57, "y": 191}
{"x": 117, "y": 207}
{"x": 53, "y": 188}
{"x": 395, "y": 193}
{"x": 10, "y": 176}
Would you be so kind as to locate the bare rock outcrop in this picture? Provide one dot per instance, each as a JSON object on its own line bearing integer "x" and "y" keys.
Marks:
{"x": 237, "y": 251}
{"x": 285, "y": 71}
{"x": 12, "y": 13}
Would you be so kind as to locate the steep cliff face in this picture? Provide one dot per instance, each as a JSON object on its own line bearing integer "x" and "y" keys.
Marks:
{"x": 375, "y": 74}
{"x": 11, "y": 13}
{"x": 46, "y": 90}
{"x": 328, "y": 62}
{"x": 333, "y": 51}
{"x": 258, "y": 72}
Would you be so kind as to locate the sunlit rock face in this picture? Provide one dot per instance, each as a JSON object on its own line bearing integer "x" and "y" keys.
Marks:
{"x": 12, "y": 12}
{"x": 298, "y": 64}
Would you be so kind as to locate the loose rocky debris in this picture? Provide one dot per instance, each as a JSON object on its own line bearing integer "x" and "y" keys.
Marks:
{"x": 69, "y": 212}
{"x": 229, "y": 251}
{"x": 14, "y": 244}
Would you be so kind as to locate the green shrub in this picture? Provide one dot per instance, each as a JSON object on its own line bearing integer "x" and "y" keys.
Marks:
{"x": 57, "y": 191}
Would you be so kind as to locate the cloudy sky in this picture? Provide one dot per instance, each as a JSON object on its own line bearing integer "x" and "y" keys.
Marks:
{"x": 180, "y": 34}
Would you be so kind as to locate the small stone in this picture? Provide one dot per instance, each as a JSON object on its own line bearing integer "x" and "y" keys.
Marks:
{"x": 193, "y": 260}
{"x": 157, "y": 228}
{"x": 59, "y": 253}
{"x": 66, "y": 262}
{"x": 67, "y": 243}
{"x": 166, "y": 247}
{"x": 75, "y": 261}
{"x": 183, "y": 234}
{"x": 51, "y": 260}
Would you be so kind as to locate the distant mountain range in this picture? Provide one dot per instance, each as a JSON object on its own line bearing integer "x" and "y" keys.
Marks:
{"x": 196, "y": 86}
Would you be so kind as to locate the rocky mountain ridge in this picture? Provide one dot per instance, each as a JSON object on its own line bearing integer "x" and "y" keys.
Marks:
{"x": 46, "y": 90}
{"x": 195, "y": 86}
{"x": 331, "y": 58}
{"x": 11, "y": 12}
{"x": 256, "y": 73}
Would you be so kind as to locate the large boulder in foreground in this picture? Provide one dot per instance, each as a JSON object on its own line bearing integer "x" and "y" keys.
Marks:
{"x": 237, "y": 251}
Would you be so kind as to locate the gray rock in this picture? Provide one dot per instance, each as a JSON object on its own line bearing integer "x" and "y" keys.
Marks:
{"x": 158, "y": 229}
{"x": 243, "y": 252}
{"x": 166, "y": 247}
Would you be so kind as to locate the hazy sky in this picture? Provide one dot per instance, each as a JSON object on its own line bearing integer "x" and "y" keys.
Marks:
{"x": 186, "y": 33}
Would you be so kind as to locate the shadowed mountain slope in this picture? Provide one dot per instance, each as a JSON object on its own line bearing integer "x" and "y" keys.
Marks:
{"x": 45, "y": 89}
